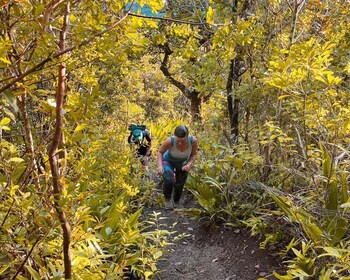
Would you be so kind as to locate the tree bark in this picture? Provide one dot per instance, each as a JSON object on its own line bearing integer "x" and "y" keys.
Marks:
{"x": 196, "y": 100}
{"x": 55, "y": 172}
{"x": 53, "y": 154}
{"x": 196, "y": 107}
{"x": 237, "y": 69}
{"x": 232, "y": 102}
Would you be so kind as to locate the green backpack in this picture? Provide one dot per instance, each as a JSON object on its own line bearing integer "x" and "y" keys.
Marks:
{"x": 137, "y": 132}
{"x": 133, "y": 126}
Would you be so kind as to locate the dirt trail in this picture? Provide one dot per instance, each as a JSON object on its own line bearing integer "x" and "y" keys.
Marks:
{"x": 214, "y": 253}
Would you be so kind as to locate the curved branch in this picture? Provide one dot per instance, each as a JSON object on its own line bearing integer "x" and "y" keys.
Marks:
{"x": 170, "y": 19}
{"x": 58, "y": 134}
{"x": 164, "y": 68}
{"x": 60, "y": 53}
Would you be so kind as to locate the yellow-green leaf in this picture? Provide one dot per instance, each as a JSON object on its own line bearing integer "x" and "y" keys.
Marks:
{"x": 72, "y": 18}
{"x": 133, "y": 218}
{"x": 344, "y": 188}
{"x": 320, "y": 78}
{"x": 5, "y": 60}
{"x": 13, "y": 189}
{"x": 5, "y": 121}
{"x": 39, "y": 9}
{"x": 238, "y": 162}
{"x": 33, "y": 273}
{"x": 158, "y": 255}
{"x": 347, "y": 68}
{"x": 16, "y": 159}
{"x": 333, "y": 252}
{"x": 313, "y": 231}
{"x": 345, "y": 205}
{"x": 4, "y": 268}
{"x": 80, "y": 127}
{"x": 10, "y": 114}
{"x": 283, "y": 96}
{"x": 210, "y": 16}
{"x": 5, "y": 128}
{"x": 160, "y": 39}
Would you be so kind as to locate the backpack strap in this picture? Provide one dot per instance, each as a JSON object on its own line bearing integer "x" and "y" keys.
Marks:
{"x": 172, "y": 140}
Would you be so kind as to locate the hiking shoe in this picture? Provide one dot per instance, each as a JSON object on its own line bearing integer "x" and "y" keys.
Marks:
{"x": 168, "y": 205}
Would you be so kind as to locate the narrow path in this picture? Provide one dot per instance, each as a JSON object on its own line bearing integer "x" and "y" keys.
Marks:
{"x": 216, "y": 253}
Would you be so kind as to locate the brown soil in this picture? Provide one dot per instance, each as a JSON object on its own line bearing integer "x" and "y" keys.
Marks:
{"x": 212, "y": 253}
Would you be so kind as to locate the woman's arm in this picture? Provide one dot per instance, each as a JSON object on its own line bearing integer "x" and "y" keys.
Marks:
{"x": 193, "y": 156}
{"x": 149, "y": 144}
{"x": 162, "y": 149}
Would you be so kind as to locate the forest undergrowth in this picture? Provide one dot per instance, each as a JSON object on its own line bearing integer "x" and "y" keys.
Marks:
{"x": 209, "y": 251}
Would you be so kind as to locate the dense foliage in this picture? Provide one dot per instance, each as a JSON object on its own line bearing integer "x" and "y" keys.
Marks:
{"x": 264, "y": 85}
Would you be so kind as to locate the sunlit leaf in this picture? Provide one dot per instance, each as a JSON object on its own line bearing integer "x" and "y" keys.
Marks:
{"x": 345, "y": 205}
{"x": 4, "y": 121}
{"x": 16, "y": 159}
{"x": 333, "y": 252}
{"x": 33, "y": 272}
{"x": 80, "y": 127}
{"x": 210, "y": 15}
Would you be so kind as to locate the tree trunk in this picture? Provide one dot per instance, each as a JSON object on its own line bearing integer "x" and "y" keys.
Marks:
{"x": 55, "y": 172}
{"x": 192, "y": 95}
{"x": 237, "y": 69}
{"x": 196, "y": 108}
{"x": 54, "y": 156}
{"x": 232, "y": 102}
{"x": 229, "y": 91}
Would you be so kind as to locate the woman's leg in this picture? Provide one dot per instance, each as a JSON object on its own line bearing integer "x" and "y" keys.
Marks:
{"x": 168, "y": 180}
{"x": 181, "y": 177}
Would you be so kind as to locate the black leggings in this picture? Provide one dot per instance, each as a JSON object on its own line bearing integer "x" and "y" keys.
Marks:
{"x": 173, "y": 182}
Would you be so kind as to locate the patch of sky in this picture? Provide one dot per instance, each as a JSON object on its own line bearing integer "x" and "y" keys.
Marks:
{"x": 144, "y": 10}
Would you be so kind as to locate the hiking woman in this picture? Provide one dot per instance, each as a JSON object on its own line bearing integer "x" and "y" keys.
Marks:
{"x": 175, "y": 158}
{"x": 141, "y": 138}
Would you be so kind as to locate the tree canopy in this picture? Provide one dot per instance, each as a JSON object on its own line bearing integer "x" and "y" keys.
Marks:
{"x": 264, "y": 85}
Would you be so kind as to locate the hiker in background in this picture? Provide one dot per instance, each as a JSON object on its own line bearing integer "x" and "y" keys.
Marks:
{"x": 175, "y": 158}
{"x": 141, "y": 137}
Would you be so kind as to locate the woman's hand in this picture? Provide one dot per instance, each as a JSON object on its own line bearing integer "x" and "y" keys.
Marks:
{"x": 160, "y": 170}
{"x": 186, "y": 167}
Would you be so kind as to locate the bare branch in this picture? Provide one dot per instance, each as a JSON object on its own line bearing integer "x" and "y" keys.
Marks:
{"x": 170, "y": 19}
{"x": 60, "y": 53}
